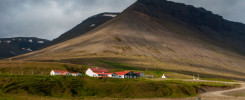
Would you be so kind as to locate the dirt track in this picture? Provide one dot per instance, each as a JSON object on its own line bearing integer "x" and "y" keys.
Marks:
{"x": 216, "y": 95}
{"x": 219, "y": 95}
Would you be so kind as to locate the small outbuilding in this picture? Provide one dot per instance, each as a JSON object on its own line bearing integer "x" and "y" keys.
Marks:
{"x": 163, "y": 76}
{"x": 140, "y": 74}
{"x": 76, "y": 74}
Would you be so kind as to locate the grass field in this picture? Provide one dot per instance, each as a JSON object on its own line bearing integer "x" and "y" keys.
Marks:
{"x": 66, "y": 87}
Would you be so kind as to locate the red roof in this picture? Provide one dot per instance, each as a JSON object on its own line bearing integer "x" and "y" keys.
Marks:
{"x": 61, "y": 71}
{"x": 104, "y": 73}
{"x": 122, "y": 73}
{"x": 99, "y": 70}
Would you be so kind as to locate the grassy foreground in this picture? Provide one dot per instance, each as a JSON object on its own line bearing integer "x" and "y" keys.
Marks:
{"x": 86, "y": 87}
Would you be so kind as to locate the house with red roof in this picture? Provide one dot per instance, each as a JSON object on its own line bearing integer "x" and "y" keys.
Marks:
{"x": 98, "y": 72}
{"x": 59, "y": 72}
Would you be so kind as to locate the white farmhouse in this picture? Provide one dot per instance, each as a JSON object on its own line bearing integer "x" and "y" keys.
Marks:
{"x": 97, "y": 72}
{"x": 59, "y": 72}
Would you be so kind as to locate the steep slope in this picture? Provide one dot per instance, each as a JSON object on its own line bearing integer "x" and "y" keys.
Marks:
{"x": 147, "y": 34}
{"x": 10, "y": 47}
{"x": 86, "y": 26}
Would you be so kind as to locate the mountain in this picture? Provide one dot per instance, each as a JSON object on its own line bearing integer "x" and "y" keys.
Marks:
{"x": 10, "y": 47}
{"x": 86, "y": 26}
{"x": 158, "y": 35}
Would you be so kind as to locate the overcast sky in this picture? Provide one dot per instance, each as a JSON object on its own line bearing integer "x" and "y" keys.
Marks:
{"x": 50, "y": 18}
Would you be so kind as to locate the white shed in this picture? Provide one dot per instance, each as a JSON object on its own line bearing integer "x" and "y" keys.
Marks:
{"x": 163, "y": 76}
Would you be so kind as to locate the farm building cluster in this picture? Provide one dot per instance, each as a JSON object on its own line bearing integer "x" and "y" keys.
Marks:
{"x": 101, "y": 72}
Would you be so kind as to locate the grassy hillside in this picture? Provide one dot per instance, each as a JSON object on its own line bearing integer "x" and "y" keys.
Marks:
{"x": 85, "y": 87}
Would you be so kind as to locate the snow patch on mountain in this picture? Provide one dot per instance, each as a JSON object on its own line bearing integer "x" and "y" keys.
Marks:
{"x": 28, "y": 49}
{"x": 12, "y": 52}
{"x": 30, "y": 40}
{"x": 110, "y": 15}
{"x": 92, "y": 25}
{"x": 40, "y": 41}
{"x": 8, "y": 41}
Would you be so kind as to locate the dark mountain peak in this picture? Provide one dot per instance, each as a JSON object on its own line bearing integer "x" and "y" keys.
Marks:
{"x": 187, "y": 13}
{"x": 211, "y": 25}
